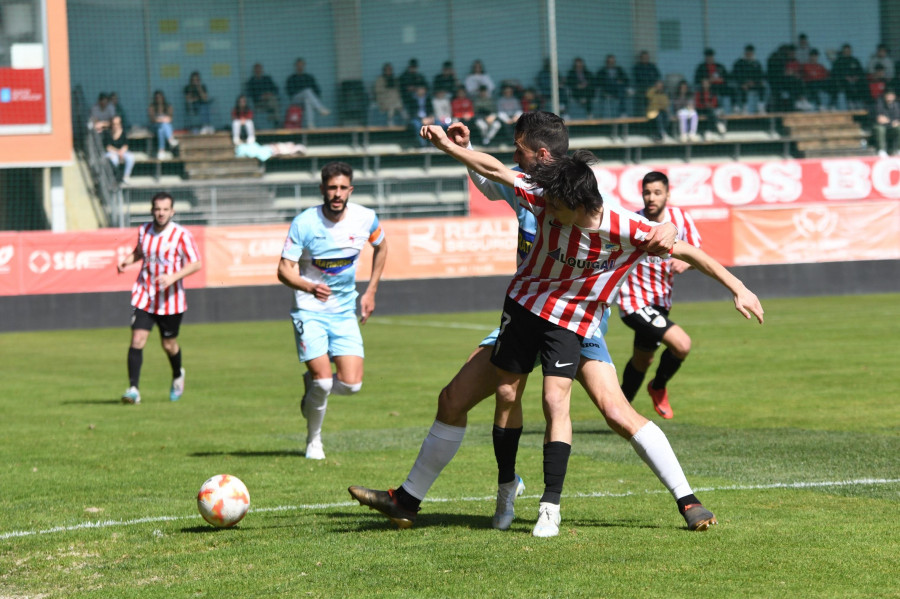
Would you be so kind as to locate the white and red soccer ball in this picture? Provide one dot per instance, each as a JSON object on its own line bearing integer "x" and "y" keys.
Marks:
{"x": 223, "y": 500}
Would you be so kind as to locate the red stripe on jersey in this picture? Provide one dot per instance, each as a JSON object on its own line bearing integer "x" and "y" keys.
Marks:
{"x": 163, "y": 254}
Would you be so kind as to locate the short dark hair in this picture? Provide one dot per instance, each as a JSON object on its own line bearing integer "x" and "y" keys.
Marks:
{"x": 334, "y": 169}
{"x": 162, "y": 195}
{"x": 540, "y": 129}
{"x": 654, "y": 177}
{"x": 709, "y": 52}
{"x": 749, "y": 48}
{"x": 569, "y": 180}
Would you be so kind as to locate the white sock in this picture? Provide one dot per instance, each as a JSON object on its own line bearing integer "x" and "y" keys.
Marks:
{"x": 652, "y": 445}
{"x": 316, "y": 404}
{"x": 437, "y": 450}
{"x": 339, "y": 387}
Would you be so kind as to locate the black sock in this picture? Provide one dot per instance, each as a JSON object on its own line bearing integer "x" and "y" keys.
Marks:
{"x": 686, "y": 501}
{"x": 631, "y": 381}
{"x": 135, "y": 359}
{"x": 406, "y": 500}
{"x": 668, "y": 366}
{"x": 175, "y": 361}
{"x": 506, "y": 445}
{"x": 556, "y": 461}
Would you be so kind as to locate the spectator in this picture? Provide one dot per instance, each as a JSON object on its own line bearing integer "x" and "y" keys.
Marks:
{"x": 707, "y": 104}
{"x": 612, "y": 82}
{"x": 849, "y": 80}
{"x": 101, "y": 113}
{"x": 530, "y": 100}
{"x": 410, "y": 80}
{"x": 802, "y": 49}
{"x": 116, "y": 144}
{"x": 421, "y": 113}
{"x": 784, "y": 78}
{"x": 264, "y": 94}
{"x": 446, "y": 80}
{"x": 440, "y": 105}
{"x": 303, "y": 90}
{"x": 160, "y": 112}
{"x": 887, "y": 123}
{"x": 750, "y": 82}
{"x": 486, "y": 118}
{"x": 582, "y": 87}
{"x": 114, "y": 101}
{"x": 881, "y": 57}
{"x": 793, "y": 78}
{"x": 478, "y": 78}
{"x": 242, "y": 119}
{"x": 197, "y": 103}
{"x": 462, "y": 108}
{"x": 645, "y": 75}
{"x": 683, "y": 104}
{"x": 658, "y": 109}
{"x": 877, "y": 84}
{"x": 544, "y": 81}
{"x": 387, "y": 94}
{"x": 717, "y": 75}
{"x": 509, "y": 107}
{"x": 816, "y": 80}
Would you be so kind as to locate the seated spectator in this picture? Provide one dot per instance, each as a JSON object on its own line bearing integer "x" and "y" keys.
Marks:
{"x": 706, "y": 103}
{"x": 421, "y": 114}
{"x": 683, "y": 104}
{"x": 509, "y": 107}
{"x": 612, "y": 81}
{"x": 242, "y": 121}
{"x": 849, "y": 80}
{"x": 887, "y": 123}
{"x": 802, "y": 48}
{"x": 881, "y": 58}
{"x": 785, "y": 80}
{"x": 387, "y": 95}
{"x": 543, "y": 82}
{"x": 160, "y": 113}
{"x": 197, "y": 104}
{"x": 101, "y": 113}
{"x": 440, "y": 106}
{"x": 717, "y": 75}
{"x": 645, "y": 74}
{"x": 486, "y": 118}
{"x": 445, "y": 80}
{"x": 115, "y": 142}
{"x": 410, "y": 80}
{"x": 530, "y": 100}
{"x": 114, "y": 101}
{"x": 462, "y": 108}
{"x": 658, "y": 110}
{"x": 816, "y": 80}
{"x": 877, "y": 84}
{"x": 264, "y": 94}
{"x": 302, "y": 90}
{"x": 582, "y": 88}
{"x": 749, "y": 81}
{"x": 478, "y": 78}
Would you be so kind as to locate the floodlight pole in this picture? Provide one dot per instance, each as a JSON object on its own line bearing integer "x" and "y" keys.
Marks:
{"x": 554, "y": 57}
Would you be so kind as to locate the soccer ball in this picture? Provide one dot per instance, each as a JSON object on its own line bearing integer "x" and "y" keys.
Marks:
{"x": 223, "y": 500}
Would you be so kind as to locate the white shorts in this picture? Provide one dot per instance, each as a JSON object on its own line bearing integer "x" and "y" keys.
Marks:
{"x": 318, "y": 333}
{"x": 592, "y": 349}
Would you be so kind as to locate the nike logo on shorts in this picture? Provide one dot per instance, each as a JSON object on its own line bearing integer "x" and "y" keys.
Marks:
{"x": 558, "y": 365}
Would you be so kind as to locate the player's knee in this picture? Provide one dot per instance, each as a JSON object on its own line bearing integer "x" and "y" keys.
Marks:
{"x": 682, "y": 348}
{"x": 322, "y": 386}
{"x": 339, "y": 387}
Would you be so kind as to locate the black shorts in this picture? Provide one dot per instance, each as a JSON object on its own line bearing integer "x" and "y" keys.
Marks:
{"x": 650, "y": 323}
{"x": 523, "y": 336}
{"x": 168, "y": 323}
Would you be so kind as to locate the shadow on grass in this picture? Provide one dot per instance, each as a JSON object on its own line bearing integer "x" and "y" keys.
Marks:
{"x": 372, "y": 520}
{"x": 599, "y": 429}
{"x": 92, "y": 401}
{"x": 250, "y": 454}
{"x": 208, "y": 529}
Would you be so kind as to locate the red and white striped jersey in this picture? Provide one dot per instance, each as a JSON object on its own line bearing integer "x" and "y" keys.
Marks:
{"x": 571, "y": 274}
{"x": 650, "y": 283}
{"x": 165, "y": 252}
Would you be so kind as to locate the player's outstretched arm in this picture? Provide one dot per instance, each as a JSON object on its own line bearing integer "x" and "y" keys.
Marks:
{"x": 482, "y": 163}
{"x": 745, "y": 301}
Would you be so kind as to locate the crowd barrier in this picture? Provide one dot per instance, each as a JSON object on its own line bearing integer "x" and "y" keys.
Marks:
{"x": 783, "y": 212}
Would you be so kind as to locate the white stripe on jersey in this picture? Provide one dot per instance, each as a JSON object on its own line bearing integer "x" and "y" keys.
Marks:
{"x": 650, "y": 284}
{"x": 165, "y": 252}
{"x": 572, "y": 274}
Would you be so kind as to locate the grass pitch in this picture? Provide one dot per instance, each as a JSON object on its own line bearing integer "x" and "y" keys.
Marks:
{"x": 789, "y": 432}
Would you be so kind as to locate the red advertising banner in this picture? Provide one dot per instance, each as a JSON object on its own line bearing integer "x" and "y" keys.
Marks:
{"x": 237, "y": 256}
{"x": 817, "y": 233}
{"x": 10, "y": 264}
{"x": 23, "y": 98}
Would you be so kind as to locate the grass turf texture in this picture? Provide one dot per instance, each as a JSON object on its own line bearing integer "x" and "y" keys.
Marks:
{"x": 809, "y": 397}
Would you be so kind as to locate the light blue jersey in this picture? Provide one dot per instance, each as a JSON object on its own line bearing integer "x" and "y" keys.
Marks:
{"x": 328, "y": 252}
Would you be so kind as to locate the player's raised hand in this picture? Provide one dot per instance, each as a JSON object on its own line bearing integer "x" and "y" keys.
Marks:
{"x": 435, "y": 134}
{"x": 746, "y": 302}
{"x": 660, "y": 240}
{"x": 459, "y": 134}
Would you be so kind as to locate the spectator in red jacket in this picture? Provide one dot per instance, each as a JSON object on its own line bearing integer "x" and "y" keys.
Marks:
{"x": 706, "y": 103}
{"x": 817, "y": 81}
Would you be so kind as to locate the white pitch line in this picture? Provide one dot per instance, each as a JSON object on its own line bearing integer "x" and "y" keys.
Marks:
{"x": 324, "y": 506}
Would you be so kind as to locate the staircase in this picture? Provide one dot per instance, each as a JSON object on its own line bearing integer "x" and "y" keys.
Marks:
{"x": 212, "y": 157}
{"x": 825, "y": 134}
